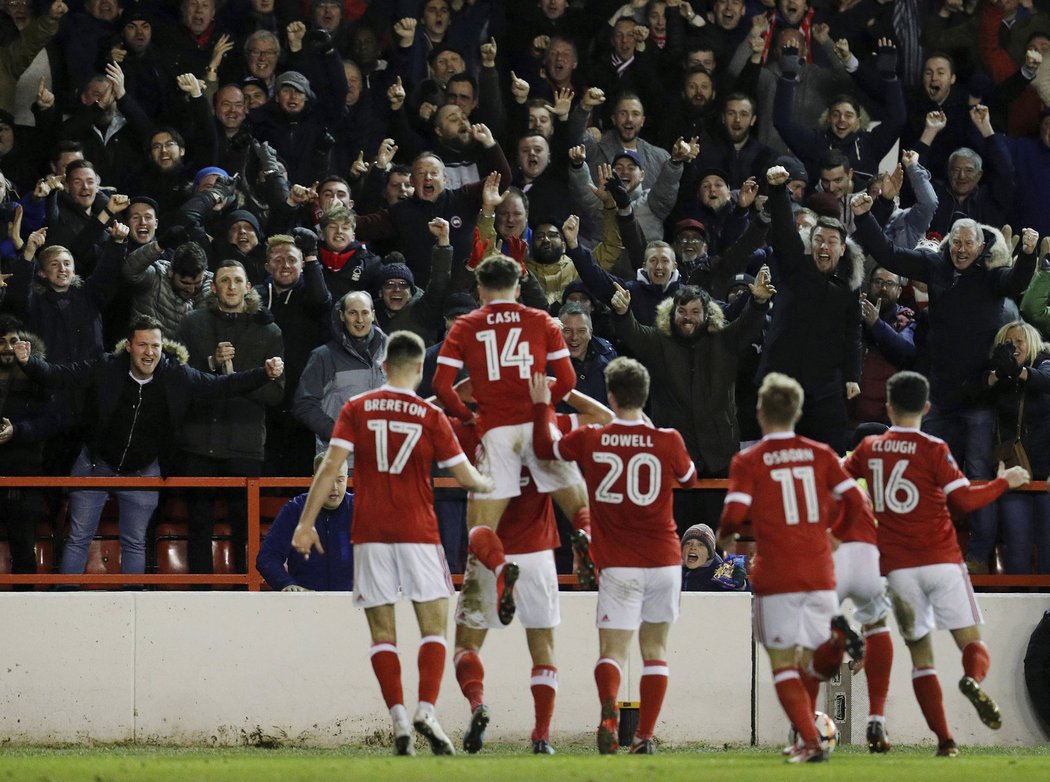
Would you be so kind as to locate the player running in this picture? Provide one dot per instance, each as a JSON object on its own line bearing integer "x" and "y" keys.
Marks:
{"x": 788, "y": 486}
{"x": 396, "y": 436}
{"x": 915, "y": 486}
{"x": 631, "y": 469}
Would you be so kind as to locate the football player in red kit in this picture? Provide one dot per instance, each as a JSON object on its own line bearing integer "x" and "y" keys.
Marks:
{"x": 529, "y": 533}
{"x": 788, "y": 486}
{"x": 631, "y": 469}
{"x": 915, "y": 486}
{"x": 396, "y": 436}
{"x": 501, "y": 345}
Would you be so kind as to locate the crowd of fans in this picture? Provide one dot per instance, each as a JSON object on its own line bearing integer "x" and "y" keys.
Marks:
{"x": 298, "y": 178}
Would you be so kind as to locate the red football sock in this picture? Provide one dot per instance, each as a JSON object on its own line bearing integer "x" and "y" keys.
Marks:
{"x": 928, "y": 692}
{"x": 544, "y": 684}
{"x": 878, "y": 659}
{"x": 607, "y": 677}
{"x": 581, "y": 519}
{"x": 976, "y": 660}
{"x": 652, "y": 689}
{"x": 470, "y": 674}
{"x": 827, "y": 658}
{"x": 812, "y": 685}
{"x": 487, "y": 547}
{"x": 431, "y": 663}
{"x": 387, "y": 666}
{"x": 795, "y": 701}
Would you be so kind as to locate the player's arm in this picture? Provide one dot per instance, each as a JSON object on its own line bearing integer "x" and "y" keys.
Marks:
{"x": 305, "y": 536}
{"x": 964, "y": 497}
{"x": 444, "y": 378}
{"x": 542, "y": 417}
{"x": 856, "y": 509}
{"x": 588, "y": 409}
{"x": 469, "y": 478}
{"x": 559, "y": 364}
{"x": 736, "y": 507}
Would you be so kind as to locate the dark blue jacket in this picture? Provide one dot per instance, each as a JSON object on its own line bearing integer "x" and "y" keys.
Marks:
{"x": 590, "y": 372}
{"x": 966, "y": 308}
{"x": 331, "y": 571}
{"x": 645, "y": 296}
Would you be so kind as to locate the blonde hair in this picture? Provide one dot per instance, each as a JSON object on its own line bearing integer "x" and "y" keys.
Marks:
{"x": 780, "y": 399}
{"x": 1036, "y": 345}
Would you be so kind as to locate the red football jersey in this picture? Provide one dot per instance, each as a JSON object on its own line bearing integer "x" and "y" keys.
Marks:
{"x": 395, "y": 436}
{"x": 788, "y": 486}
{"x": 631, "y": 469}
{"x": 502, "y": 345}
{"x": 528, "y": 524}
{"x": 910, "y": 475}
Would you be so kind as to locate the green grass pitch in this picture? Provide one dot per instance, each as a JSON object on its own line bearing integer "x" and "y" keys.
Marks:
{"x": 507, "y": 762}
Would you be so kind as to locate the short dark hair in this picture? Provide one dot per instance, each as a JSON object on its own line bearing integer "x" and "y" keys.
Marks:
{"x": 141, "y": 322}
{"x": 738, "y": 95}
{"x": 9, "y": 324}
{"x": 834, "y": 158}
{"x": 404, "y": 347}
{"x": 465, "y": 77}
{"x": 75, "y": 164}
{"x": 628, "y": 382}
{"x": 498, "y": 273}
{"x": 942, "y": 55}
{"x": 829, "y": 222}
{"x": 62, "y": 147}
{"x": 334, "y": 178}
{"x": 907, "y": 392}
{"x": 175, "y": 136}
{"x": 189, "y": 260}
{"x": 689, "y": 293}
{"x": 230, "y": 263}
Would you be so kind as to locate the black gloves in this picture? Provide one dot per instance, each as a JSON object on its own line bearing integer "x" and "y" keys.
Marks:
{"x": 614, "y": 187}
{"x": 223, "y": 189}
{"x": 266, "y": 155}
{"x": 886, "y": 61}
{"x": 1003, "y": 363}
{"x": 305, "y": 240}
{"x": 790, "y": 62}
{"x": 172, "y": 237}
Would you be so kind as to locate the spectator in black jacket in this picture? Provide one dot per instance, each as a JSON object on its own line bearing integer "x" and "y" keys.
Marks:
{"x": 147, "y": 375}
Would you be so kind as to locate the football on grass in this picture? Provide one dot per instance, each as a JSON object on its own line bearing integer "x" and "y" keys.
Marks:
{"x": 827, "y": 732}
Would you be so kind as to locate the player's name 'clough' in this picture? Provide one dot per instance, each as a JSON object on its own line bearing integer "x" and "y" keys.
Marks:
{"x": 627, "y": 440}
{"x": 788, "y": 455}
{"x": 893, "y": 446}
{"x": 395, "y": 406}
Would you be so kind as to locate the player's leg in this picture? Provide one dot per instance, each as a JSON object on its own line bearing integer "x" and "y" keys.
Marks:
{"x": 470, "y": 674}
{"x": 500, "y": 458}
{"x": 976, "y": 662}
{"x": 878, "y": 661}
{"x": 857, "y": 577}
{"x": 564, "y": 483}
{"x": 652, "y": 641}
{"x": 387, "y": 667}
{"x": 928, "y": 693}
{"x": 612, "y": 655}
{"x": 916, "y": 620}
{"x": 795, "y": 699}
{"x": 432, "y": 616}
{"x": 543, "y": 684}
{"x": 572, "y": 501}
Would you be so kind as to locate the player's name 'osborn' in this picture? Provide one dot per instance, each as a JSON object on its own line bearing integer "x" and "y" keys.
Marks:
{"x": 627, "y": 440}
{"x": 788, "y": 455}
{"x": 395, "y": 406}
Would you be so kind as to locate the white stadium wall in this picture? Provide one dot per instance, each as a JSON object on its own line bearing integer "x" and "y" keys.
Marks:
{"x": 235, "y": 668}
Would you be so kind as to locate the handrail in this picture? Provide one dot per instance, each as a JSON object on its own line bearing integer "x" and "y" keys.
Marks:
{"x": 253, "y": 486}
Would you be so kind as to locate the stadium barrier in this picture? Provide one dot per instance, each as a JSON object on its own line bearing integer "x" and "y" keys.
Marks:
{"x": 291, "y": 669}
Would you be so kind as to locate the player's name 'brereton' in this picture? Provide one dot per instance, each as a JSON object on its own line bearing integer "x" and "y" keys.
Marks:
{"x": 395, "y": 406}
{"x": 788, "y": 455}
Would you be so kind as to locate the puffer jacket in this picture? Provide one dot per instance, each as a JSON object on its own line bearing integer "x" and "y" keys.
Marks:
{"x": 148, "y": 272}
{"x": 231, "y": 428}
